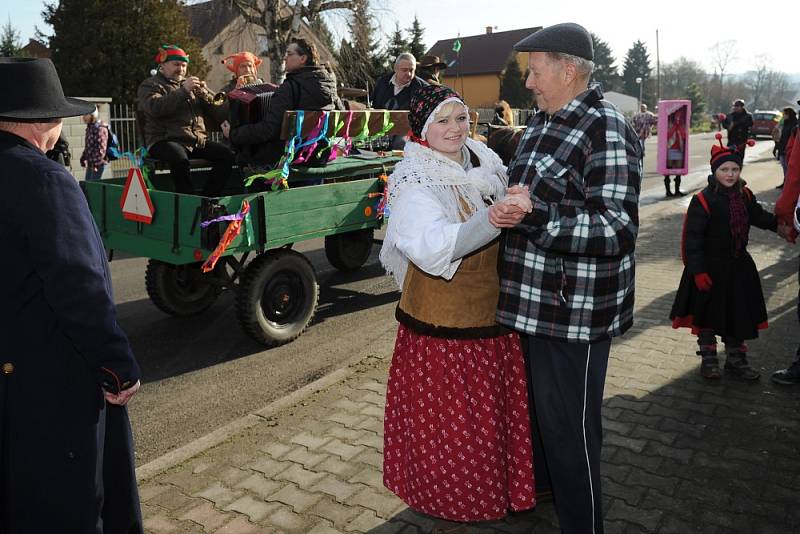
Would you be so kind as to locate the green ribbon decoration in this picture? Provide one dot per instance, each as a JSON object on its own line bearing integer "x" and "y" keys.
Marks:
{"x": 387, "y": 125}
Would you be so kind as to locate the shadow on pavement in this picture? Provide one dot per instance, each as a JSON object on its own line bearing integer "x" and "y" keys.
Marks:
{"x": 161, "y": 342}
{"x": 682, "y": 454}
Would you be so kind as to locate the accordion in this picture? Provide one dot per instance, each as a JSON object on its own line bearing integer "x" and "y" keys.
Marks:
{"x": 249, "y": 104}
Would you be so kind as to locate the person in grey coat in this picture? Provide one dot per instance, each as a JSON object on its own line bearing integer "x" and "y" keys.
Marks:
{"x": 66, "y": 368}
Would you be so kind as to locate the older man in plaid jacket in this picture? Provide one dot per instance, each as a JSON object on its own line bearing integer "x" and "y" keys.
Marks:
{"x": 568, "y": 268}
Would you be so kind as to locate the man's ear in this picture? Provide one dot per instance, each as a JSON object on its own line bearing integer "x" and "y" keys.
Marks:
{"x": 570, "y": 72}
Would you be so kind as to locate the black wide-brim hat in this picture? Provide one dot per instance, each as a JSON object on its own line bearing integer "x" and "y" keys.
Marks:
{"x": 32, "y": 90}
{"x": 431, "y": 62}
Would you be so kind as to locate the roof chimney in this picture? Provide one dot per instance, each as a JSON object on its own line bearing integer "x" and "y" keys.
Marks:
{"x": 488, "y": 30}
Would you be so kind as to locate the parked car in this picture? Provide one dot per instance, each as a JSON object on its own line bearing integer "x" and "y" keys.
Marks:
{"x": 764, "y": 121}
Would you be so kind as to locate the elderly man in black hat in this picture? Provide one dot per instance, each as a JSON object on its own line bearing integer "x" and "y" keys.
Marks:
{"x": 429, "y": 68}
{"x": 568, "y": 266}
{"x": 66, "y": 452}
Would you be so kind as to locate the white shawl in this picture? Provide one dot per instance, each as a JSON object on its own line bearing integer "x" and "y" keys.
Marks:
{"x": 459, "y": 194}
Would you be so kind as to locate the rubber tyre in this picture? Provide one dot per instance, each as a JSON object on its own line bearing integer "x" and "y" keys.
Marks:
{"x": 179, "y": 290}
{"x": 277, "y": 297}
{"x": 348, "y": 252}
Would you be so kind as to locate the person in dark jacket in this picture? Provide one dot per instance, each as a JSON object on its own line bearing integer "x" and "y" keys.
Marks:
{"x": 738, "y": 124}
{"x": 66, "y": 451}
{"x": 308, "y": 86}
{"x": 393, "y": 91}
{"x": 60, "y": 152}
{"x": 429, "y": 68}
{"x": 788, "y": 124}
{"x": 173, "y": 106}
{"x": 720, "y": 290}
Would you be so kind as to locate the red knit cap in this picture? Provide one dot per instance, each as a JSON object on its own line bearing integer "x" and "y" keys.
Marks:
{"x": 233, "y": 61}
{"x": 171, "y": 53}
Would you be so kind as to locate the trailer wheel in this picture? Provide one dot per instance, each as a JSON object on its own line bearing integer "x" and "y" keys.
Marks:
{"x": 277, "y": 297}
{"x": 349, "y": 251}
{"x": 179, "y": 290}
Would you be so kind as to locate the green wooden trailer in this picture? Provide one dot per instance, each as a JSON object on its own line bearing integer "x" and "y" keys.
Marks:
{"x": 276, "y": 287}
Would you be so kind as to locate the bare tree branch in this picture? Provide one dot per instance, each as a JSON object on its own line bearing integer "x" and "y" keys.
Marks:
{"x": 281, "y": 20}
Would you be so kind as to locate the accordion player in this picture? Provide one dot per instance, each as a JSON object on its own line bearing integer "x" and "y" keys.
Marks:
{"x": 249, "y": 104}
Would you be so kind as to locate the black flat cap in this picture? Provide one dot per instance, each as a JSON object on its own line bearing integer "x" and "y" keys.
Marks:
{"x": 567, "y": 38}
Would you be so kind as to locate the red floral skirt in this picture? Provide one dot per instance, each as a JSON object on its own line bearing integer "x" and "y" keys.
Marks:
{"x": 457, "y": 437}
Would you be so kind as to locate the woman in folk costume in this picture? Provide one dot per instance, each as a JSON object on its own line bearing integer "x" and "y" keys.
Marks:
{"x": 456, "y": 431}
{"x": 720, "y": 290}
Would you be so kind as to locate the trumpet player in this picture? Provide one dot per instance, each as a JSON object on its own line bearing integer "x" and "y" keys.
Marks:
{"x": 244, "y": 66}
{"x": 173, "y": 106}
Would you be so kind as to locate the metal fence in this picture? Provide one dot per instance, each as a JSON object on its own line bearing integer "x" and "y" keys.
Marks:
{"x": 123, "y": 123}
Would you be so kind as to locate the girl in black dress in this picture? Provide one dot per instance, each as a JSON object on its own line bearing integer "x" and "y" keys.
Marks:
{"x": 720, "y": 290}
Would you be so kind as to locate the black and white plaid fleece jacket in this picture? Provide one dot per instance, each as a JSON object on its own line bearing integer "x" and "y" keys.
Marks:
{"x": 568, "y": 268}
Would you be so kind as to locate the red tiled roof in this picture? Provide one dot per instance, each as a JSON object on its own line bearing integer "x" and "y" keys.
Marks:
{"x": 480, "y": 54}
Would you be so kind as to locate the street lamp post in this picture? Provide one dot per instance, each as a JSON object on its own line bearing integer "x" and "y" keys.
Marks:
{"x": 639, "y": 83}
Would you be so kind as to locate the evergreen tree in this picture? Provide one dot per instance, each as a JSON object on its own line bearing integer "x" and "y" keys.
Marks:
{"x": 323, "y": 33}
{"x": 605, "y": 72}
{"x": 416, "y": 45}
{"x": 397, "y": 44}
{"x": 106, "y": 47}
{"x": 695, "y": 94}
{"x": 637, "y": 65}
{"x": 10, "y": 44}
{"x": 345, "y": 71}
{"x": 512, "y": 85}
{"x": 367, "y": 62}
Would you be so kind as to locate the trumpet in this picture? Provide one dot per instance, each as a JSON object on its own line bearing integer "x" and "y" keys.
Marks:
{"x": 246, "y": 79}
{"x": 201, "y": 91}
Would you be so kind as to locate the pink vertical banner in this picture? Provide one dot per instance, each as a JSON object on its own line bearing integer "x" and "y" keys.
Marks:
{"x": 674, "y": 122}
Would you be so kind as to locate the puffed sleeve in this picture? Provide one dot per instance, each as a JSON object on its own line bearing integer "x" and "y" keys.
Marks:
{"x": 424, "y": 235}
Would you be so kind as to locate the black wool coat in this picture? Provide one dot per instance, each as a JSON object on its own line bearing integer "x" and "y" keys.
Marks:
{"x": 734, "y": 307}
{"x": 66, "y": 457}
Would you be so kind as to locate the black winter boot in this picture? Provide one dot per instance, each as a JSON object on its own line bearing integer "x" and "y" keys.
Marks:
{"x": 709, "y": 365}
{"x": 736, "y": 364}
{"x": 678, "y": 192}
{"x": 666, "y": 185}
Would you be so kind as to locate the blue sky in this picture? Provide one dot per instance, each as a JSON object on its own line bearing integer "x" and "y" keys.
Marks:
{"x": 687, "y": 28}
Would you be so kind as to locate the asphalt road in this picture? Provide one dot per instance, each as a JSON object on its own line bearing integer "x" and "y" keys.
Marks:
{"x": 200, "y": 373}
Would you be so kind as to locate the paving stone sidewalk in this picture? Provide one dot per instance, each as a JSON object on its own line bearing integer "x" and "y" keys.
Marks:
{"x": 680, "y": 455}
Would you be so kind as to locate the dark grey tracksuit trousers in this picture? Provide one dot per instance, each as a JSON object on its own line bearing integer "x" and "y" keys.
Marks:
{"x": 567, "y": 381}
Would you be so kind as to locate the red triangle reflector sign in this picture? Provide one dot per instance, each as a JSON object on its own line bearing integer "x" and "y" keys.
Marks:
{"x": 135, "y": 200}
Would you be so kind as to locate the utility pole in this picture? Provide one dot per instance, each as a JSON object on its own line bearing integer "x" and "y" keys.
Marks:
{"x": 658, "y": 70}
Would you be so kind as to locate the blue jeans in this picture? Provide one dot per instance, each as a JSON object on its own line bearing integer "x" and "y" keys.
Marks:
{"x": 94, "y": 175}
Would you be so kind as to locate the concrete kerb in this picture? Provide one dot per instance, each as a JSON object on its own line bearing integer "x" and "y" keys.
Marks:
{"x": 201, "y": 444}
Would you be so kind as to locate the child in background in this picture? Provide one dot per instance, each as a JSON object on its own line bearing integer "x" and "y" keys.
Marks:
{"x": 720, "y": 290}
